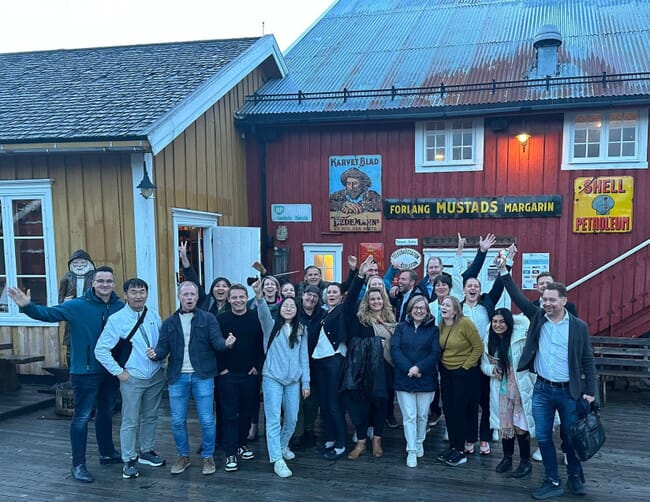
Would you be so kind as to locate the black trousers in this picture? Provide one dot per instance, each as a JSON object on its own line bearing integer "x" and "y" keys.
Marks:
{"x": 237, "y": 395}
{"x": 328, "y": 377}
{"x": 366, "y": 412}
{"x": 485, "y": 433}
{"x": 460, "y": 397}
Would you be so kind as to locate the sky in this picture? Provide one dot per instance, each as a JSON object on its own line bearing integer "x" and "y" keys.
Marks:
{"x": 29, "y": 25}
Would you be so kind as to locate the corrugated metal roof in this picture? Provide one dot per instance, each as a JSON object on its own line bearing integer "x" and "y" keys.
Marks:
{"x": 379, "y": 44}
{"x": 107, "y": 92}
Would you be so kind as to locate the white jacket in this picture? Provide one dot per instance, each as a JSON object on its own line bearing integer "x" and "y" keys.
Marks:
{"x": 525, "y": 380}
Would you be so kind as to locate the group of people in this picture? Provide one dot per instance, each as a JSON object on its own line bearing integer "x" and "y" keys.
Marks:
{"x": 341, "y": 348}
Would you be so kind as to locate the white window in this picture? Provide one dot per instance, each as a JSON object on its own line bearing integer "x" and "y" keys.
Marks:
{"x": 616, "y": 139}
{"x": 449, "y": 145}
{"x": 27, "y": 239}
{"x": 327, "y": 257}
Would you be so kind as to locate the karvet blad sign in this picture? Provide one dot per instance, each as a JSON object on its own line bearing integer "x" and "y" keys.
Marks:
{"x": 532, "y": 206}
{"x": 291, "y": 212}
{"x": 603, "y": 204}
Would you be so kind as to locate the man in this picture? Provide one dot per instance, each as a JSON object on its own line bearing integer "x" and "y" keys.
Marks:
{"x": 141, "y": 379}
{"x": 92, "y": 385}
{"x": 191, "y": 337}
{"x": 310, "y": 315}
{"x": 407, "y": 289}
{"x": 238, "y": 376}
{"x": 559, "y": 350}
{"x": 313, "y": 277}
{"x": 543, "y": 280}
{"x": 434, "y": 269}
{"x": 357, "y": 197}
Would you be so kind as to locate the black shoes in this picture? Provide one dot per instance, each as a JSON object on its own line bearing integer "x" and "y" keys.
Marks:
{"x": 548, "y": 490}
{"x": 505, "y": 465}
{"x": 81, "y": 474}
{"x": 113, "y": 458}
{"x": 333, "y": 455}
{"x": 576, "y": 484}
{"x": 524, "y": 469}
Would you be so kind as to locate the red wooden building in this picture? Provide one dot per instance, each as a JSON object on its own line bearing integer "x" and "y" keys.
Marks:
{"x": 428, "y": 102}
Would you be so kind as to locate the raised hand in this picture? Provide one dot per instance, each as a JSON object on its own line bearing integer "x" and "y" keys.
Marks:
{"x": 182, "y": 254}
{"x": 365, "y": 266}
{"x": 257, "y": 287}
{"x": 461, "y": 243}
{"x": 487, "y": 243}
{"x": 352, "y": 262}
{"x": 21, "y": 299}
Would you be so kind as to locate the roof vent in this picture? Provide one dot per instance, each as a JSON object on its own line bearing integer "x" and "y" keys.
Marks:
{"x": 546, "y": 43}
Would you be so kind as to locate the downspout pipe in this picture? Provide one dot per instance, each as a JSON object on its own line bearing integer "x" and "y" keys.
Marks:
{"x": 263, "y": 203}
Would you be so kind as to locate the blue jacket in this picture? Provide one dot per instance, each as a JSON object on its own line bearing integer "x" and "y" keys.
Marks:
{"x": 205, "y": 341}
{"x": 420, "y": 347}
{"x": 87, "y": 316}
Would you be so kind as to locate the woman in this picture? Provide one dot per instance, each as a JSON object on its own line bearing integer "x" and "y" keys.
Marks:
{"x": 366, "y": 374}
{"x": 284, "y": 374}
{"x": 218, "y": 299}
{"x": 328, "y": 357}
{"x": 288, "y": 290}
{"x": 461, "y": 349}
{"x": 270, "y": 293}
{"x": 415, "y": 350}
{"x": 511, "y": 391}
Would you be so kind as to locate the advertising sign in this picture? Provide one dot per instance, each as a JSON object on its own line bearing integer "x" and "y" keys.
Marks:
{"x": 603, "y": 204}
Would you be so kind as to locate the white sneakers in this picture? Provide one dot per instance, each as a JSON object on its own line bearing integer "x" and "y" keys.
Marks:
{"x": 281, "y": 469}
{"x": 419, "y": 453}
{"x": 411, "y": 459}
{"x": 537, "y": 455}
{"x": 287, "y": 454}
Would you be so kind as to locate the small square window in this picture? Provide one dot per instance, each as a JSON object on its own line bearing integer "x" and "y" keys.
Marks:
{"x": 451, "y": 145}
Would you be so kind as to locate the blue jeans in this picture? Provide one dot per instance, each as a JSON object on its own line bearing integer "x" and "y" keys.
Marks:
{"x": 546, "y": 400}
{"x": 99, "y": 390}
{"x": 202, "y": 390}
{"x": 279, "y": 398}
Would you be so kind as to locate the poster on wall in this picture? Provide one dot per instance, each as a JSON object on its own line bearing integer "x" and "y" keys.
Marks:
{"x": 603, "y": 204}
{"x": 355, "y": 193}
{"x": 374, "y": 249}
{"x": 531, "y": 266}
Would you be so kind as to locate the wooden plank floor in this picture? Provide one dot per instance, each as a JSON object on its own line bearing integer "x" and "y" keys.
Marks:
{"x": 35, "y": 459}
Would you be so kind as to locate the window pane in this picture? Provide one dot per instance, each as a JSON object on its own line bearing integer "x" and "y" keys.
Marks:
{"x": 456, "y": 139}
{"x": 37, "y": 286}
{"x": 30, "y": 257}
{"x": 629, "y": 134}
{"x": 581, "y": 135}
{"x": 614, "y": 150}
{"x": 615, "y": 135}
{"x": 440, "y": 154}
{"x": 456, "y": 154}
{"x": 3, "y": 271}
{"x": 467, "y": 153}
{"x": 579, "y": 151}
{"x": 593, "y": 150}
{"x": 28, "y": 218}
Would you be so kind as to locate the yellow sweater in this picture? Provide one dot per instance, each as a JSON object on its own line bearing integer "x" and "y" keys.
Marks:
{"x": 461, "y": 344}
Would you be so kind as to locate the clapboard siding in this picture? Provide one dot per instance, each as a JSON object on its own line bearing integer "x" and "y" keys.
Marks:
{"x": 92, "y": 209}
{"x": 297, "y": 172}
{"x": 203, "y": 169}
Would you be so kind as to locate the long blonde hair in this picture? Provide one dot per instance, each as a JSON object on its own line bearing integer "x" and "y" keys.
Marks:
{"x": 367, "y": 317}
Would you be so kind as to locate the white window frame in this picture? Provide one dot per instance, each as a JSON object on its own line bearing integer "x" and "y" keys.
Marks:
{"x": 447, "y": 165}
{"x": 28, "y": 189}
{"x": 336, "y": 250}
{"x": 640, "y": 161}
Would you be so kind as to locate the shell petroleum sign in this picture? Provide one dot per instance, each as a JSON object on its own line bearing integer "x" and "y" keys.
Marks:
{"x": 603, "y": 204}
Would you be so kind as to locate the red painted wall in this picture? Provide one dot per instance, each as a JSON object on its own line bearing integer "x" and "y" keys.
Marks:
{"x": 297, "y": 172}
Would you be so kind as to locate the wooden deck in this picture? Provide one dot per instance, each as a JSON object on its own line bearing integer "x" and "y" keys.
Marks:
{"x": 35, "y": 456}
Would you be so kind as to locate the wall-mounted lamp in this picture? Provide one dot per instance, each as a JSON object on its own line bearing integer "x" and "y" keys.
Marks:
{"x": 523, "y": 138}
{"x": 146, "y": 186}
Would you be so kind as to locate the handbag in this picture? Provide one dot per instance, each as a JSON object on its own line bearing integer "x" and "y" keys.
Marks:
{"x": 122, "y": 350}
{"x": 588, "y": 434}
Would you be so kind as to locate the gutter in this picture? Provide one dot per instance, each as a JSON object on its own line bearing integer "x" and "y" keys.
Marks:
{"x": 75, "y": 147}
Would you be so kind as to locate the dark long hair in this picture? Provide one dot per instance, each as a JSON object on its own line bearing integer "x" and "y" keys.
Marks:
{"x": 499, "y": 345}
{"x": 279, "y": 322}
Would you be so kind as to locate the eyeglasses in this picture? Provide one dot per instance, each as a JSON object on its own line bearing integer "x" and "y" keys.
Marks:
{"x": 419, "y": 309}
{"x": 311, "y": 297}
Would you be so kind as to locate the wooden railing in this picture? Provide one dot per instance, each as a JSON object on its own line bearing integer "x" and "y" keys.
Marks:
{"x": 614, "y": 299}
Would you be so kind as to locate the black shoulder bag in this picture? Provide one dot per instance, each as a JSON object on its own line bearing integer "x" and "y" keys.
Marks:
{"x": 122, "y": 350}
{"x": 587, "y": 434}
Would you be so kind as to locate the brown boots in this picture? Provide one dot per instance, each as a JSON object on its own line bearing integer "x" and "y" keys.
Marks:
{"x": 376, "y": 447}
{"x": 359, "y": 450}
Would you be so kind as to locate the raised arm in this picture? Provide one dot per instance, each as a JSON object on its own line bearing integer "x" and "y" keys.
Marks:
{"x": 190, "y": 273}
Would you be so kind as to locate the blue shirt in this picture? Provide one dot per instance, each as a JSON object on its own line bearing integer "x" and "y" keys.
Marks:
{"x": 552, "y": 359}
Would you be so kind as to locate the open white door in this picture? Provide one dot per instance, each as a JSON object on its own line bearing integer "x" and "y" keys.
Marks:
{"x": 234, "y": 249}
